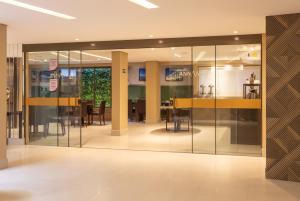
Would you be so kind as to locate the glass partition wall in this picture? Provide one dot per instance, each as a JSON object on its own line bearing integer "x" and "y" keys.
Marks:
{"x": 210, "y": 99}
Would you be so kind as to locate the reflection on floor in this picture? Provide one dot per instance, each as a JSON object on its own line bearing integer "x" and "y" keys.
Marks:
{"x": 68, "y": 174}
{"x": 154, "y": 137}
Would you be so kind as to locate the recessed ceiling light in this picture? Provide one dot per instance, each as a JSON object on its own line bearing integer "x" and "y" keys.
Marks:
{"x": 93, "y": 44}
{"x": 236, "y": 38}
{"x": 151, "y": 36}
{"x": 235, "y": 32}
{"x": 160, "y": 41}
{"x": 77, "y": 39}
{"x": 37, "y": 9}
{"x": 152, "y": 49}
{"x": 144, "y": 3}
{"x": 172, "y": 48}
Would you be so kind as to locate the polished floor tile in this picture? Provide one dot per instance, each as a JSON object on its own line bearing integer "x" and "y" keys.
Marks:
{"x": 51, "y": 173}
{"x": 153, "y": 137}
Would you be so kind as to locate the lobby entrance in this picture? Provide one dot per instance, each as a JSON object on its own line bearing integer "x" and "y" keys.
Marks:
{"x": 201, "y": 98}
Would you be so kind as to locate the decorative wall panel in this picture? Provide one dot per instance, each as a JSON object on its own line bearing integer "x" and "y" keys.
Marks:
{"x": 283, "y": 97}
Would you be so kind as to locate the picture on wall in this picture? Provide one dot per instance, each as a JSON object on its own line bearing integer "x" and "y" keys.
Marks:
{"x": 173, "y": 74}
{"x": 142, "y": 74}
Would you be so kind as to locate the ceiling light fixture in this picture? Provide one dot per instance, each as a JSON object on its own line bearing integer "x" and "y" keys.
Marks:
{"x": 200, "y": 56}
{"x": 64, "y": 56}
{"x": 37, "y": 9}
{"x": 144, "y": 3}
{"x": 93, "y": 55}
{"x": 235, "y": 32}
{"x": 77, "y": 39}
{"x": 177, "y": 55}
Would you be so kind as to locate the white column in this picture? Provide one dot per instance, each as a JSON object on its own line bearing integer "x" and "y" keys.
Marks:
{"x": 153, "y": 92}
{"x": 119, "y": 92}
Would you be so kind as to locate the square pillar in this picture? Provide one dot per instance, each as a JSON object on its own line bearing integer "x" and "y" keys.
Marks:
{"x": 119, "y": 92}
{"x": 153, "y": 92}
{"x": 3, "y": 96}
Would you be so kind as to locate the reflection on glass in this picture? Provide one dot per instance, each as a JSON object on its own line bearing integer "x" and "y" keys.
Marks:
{"x": 43, "y": 124}
{"x": 208, "y": 99}
{"x": 238, "y": 79}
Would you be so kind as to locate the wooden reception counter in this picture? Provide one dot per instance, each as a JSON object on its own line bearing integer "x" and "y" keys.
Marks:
{"x": 68, "y": 102}
{"x": 229, "y": 103}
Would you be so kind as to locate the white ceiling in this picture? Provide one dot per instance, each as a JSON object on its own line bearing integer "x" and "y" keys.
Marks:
{"x": 99, "y": 20}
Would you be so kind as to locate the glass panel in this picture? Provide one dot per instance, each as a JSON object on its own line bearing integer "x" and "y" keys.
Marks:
{"x": 172, "y": 131}
{"x": 64, "y": 91}
{"x": 204, "y": 99}
{"x": 238, "y": 79}
{"x": 43, "y": 110}
{"x": 73, "y": 92}
{"x": 96, "y": 99}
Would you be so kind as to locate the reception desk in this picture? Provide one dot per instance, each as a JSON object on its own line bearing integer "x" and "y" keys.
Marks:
{"x": 226, "y": 103}
{"x": 67, "y": 102}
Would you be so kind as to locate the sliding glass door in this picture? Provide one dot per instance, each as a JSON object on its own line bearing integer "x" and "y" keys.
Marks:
{"x": 42, "y": 98}
{"x": 52, "y": 99}
{"x": 238, "y": 112}
{"x": 210, "y": 105}
{"x": 227, "y": 99}
{"x": 203, "y": 103}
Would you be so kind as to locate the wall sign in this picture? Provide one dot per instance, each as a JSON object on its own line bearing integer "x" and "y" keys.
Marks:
{"x": 53, "y": 85}
{"x": 53, "y": 64}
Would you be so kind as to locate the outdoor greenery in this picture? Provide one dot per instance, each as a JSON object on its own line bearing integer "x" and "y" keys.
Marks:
{"x": 96, "y": 85}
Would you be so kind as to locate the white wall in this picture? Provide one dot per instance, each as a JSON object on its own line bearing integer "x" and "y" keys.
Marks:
{"x": 133, "y": 77}
{"x": 229, "y": 82}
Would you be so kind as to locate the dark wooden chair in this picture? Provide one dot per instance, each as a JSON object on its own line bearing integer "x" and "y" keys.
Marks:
{"x": 83, "y": 113}
{"x": 102, "y": 112}
{"x": 130, "y": 110}
{"x": 178, "y": 116}
{"x": 140, "y": 110}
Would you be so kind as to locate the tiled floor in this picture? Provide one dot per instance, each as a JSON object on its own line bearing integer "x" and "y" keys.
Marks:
{"x": 57, "y": 174}
{"x": 154, "y": 137}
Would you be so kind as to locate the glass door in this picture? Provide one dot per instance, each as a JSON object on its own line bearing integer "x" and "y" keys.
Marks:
{"x": 41, "y": 98}
{"x": 238, "y": 95}
{"x": 203, "y": 104}
{"x": 72, "y": 91}
{"x": 68, "y": 120}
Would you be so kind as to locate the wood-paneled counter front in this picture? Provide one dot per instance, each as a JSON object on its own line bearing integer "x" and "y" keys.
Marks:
{"x": 229, "y": 103}
{"x": 71, "y": 102}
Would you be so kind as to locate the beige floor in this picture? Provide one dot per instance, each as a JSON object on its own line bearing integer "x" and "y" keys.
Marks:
{"x": 153, "y": 137}
{"x": 69, "y": 174}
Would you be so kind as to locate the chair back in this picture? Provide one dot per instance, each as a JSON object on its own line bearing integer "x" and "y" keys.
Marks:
{"x": 102, "y": 107}
{"x": 130, "y": 106}
{"x": 141, "y": 106}
{"x": 83, "y": 108}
